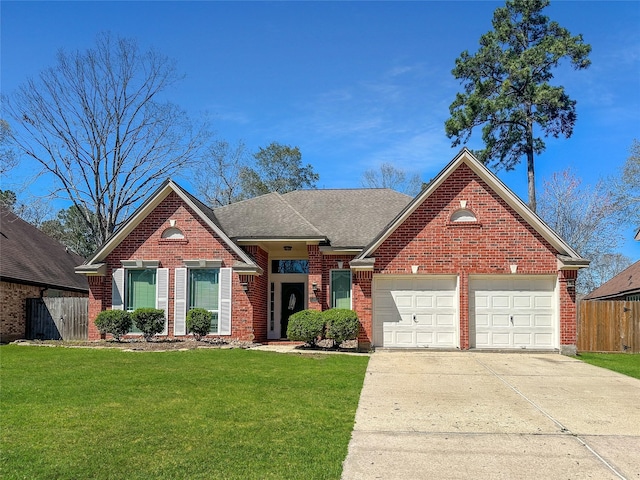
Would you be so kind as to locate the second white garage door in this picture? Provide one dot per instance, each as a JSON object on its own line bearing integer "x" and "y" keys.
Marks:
{"x": 513, "y": 313}
{"x": 416, "y": 311}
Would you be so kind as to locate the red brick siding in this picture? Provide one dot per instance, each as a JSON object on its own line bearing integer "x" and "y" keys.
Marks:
{"x": 13, "y": 306}
{"x": 200, "y": 242}
{"x": 499, "y": 238}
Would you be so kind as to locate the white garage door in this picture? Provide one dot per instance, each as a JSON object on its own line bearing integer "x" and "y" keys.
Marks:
{"x": 415, "y": 311}
{"x": 513, "y": 313}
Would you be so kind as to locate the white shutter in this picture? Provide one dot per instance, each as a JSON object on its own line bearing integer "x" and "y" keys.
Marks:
{"x": 117, "y": 289}
{"x": 180, "y": 303}
{"x": 162, "y": 293}
{"x": 226, "y": 281}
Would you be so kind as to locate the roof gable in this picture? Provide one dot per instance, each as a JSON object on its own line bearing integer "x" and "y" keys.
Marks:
{"x": 465, "y": 157}
{"x": 30, "y": 256}
{"x": 205, "y": 213}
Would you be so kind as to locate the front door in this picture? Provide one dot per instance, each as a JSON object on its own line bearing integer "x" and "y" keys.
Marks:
{"x": 291, "y": 301}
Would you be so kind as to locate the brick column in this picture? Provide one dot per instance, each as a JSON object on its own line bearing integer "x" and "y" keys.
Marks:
{"x": 96, "y": 304}
{"x": 361, "y": 289}
{"x": 568, "y": 311}
{"x": 315, "y": 298}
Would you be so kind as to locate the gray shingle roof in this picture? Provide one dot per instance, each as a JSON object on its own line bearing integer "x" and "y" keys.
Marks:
{"x": 266, "y": 216}
{"x": 346, "y": 217}
{"x": 29, "y": 256}
{"x": 349, "y": 217}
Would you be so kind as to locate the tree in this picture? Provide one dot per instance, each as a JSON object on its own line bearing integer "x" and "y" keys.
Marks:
{"x": 8, "y": 199}
{"x": 507, "y": 90}
{"x": 97, "y": 124}
{"x": 391, "y": 177}
{"x": 626, "y": 188}
{"x": 225, "y": 163}
{"x": 279, "y": 169}
{"x": 70, "y": 229}
{"x": 8, "y": 158}
{"x": 587, "y": 219}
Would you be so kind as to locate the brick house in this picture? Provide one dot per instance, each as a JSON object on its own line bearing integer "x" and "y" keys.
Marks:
{"x": 32, "y": 265}
{"x": 465, "y": 264}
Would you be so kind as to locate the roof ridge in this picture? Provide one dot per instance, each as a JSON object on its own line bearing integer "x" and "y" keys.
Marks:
{"x": 280, "y": 197}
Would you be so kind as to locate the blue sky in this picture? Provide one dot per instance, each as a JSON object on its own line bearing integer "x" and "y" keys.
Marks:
{"x": 352, "y": 84}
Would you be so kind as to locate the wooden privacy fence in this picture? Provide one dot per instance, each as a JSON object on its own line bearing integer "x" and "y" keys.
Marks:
{"x": 58, "y": 318}
{"x": 609, "y": 326}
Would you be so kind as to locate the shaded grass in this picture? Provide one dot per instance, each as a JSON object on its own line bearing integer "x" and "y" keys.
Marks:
{"x": 86, "y": 413}
{"x": 627, "y": 363}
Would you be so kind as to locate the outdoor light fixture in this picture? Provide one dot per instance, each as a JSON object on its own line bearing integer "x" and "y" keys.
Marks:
{"x": 314, "y": 286}
{"x": 571, "y": 282}
{"x": 340, "y": 264}
{"x": 245, "y": 286}
{"x": 287, "y": 248}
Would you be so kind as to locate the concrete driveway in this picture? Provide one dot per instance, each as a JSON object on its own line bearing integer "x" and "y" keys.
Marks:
{"x": 450, "y": 415}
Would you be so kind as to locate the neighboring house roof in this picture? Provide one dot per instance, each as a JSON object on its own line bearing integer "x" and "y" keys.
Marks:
{"x": 625, "y": 283}
{"x": 567, "y": 256}
{"x": 346, "y": 218}
{"x": 29, "y": 256}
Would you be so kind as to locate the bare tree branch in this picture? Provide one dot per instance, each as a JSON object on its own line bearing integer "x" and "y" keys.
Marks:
{"x": 96, "y": 122}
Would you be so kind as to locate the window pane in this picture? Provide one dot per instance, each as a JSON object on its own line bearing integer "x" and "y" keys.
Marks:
{"x": 141, "y": 288}
{"x": 341, "y": 289}
{"x": 290, "y": 266}
{"x": 203, "y": 288}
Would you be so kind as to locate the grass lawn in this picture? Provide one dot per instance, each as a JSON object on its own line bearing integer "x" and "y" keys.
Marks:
{"x": 90, "y": 413}
{"x": 627, "y": 363}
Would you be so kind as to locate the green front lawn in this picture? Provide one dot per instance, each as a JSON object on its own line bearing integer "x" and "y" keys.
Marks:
{"x": 627, "y": 363}
{"x": 89, "y": 413}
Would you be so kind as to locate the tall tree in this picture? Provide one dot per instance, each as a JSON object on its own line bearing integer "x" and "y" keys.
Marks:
{"x": 97, "y": 124}
{"x": 70, "y": 229}
{"x": 224, "y": 163}
{"x": 626, "y": 188}
{"x": 586, "y": 217}
{"x": 388, "y": 176}
{"x": 507, "y": 89}
{"x": 8, "y": 158}
{"x": 278, "y": 168}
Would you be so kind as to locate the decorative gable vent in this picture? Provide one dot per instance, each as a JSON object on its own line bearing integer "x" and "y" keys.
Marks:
{"x": 173, "y": 233}
{"x": 463, "y": 215}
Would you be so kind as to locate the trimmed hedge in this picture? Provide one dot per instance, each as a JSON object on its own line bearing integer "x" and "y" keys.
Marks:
{"x": 341, "y": 324}
{"x": 306, "y": 326}
{"x": 150, "y": 321}
{"x": 115, "y": 322}
{"x": 199, "y": 322}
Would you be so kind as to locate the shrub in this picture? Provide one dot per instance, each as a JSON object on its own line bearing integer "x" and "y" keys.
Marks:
{"x": 115, "y": 322}
{"x": 199, "y": 322}
{"x": 306, "y": 326}
{"x": 342, "y": 324}
{"x": 150, "y": 321}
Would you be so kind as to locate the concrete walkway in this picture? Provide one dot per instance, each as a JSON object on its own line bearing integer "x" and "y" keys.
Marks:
{"x": 460, "y": 415}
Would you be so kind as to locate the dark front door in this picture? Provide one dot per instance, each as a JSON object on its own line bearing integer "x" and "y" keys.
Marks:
{"x": 292, "y": 301}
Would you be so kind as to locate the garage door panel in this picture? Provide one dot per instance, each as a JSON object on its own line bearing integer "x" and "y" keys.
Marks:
{"x": 513, "y": 313}
{"x": 500, "y": 301}
{"x": 425, "y": 307}
{"x": 522, "y": 321}
{"x": 445, "y": 320}
{"x": 521, "y": 301}
{"x": 543, "y": 321}
{"x": 424, "y": 319}
{"x": 499, "y": 320}
{"x": 424, "y": 301}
